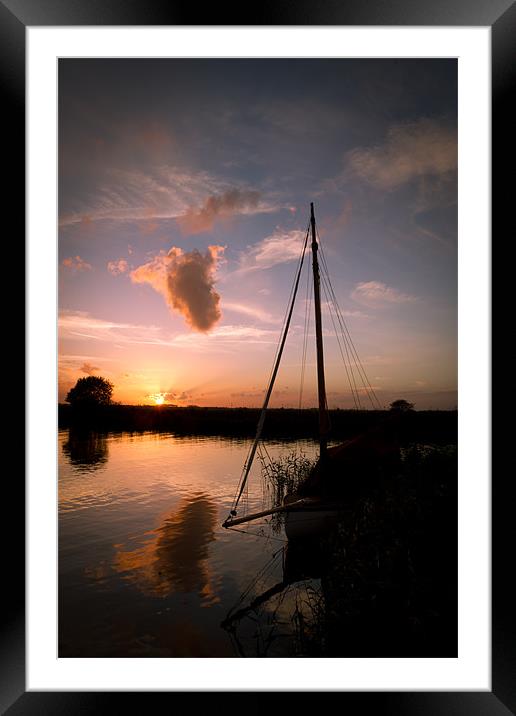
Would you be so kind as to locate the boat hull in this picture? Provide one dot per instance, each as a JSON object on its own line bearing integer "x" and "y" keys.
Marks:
{"x": 311, "y": 522}
{"x": 314, "y": 516}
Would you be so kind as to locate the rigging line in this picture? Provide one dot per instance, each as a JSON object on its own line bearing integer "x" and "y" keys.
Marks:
{"x": 352, "y": 381}
{"x": 308, "y": 305}
{"x": 299, "y": 264}
{"x": 267, "y": 453}
{"x": 354, "y": 392}
{"x": 261, "y": 574}
{"x": 304, "y": 340}
{"x": 250, "y": 453}
{"x": 261, "y": 421}
{"x": 344, "y": 327}
{"x": 278, "y": 347}
{"x": 361, "y": 370}
{"x": 255, "y": 534}
{"x": 328, "y": 287}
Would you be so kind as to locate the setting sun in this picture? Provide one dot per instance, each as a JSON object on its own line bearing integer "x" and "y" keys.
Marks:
{"x": 159, "y": 398}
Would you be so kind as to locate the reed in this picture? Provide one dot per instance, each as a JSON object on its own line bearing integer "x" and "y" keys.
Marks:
{"x": 285, "y": 475}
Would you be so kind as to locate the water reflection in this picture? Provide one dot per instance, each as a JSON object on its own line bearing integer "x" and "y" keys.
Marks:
{"x": 175, "y": 557}
{"x": 291, "y": 607}
{"x": 86, "y": 450}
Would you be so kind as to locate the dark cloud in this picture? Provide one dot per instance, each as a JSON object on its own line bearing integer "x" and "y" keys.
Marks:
{"x": 235, "y": 201}
{"x": 186, "y": 280}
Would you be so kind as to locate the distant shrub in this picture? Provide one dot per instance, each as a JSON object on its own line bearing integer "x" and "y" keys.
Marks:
{"x": 401, "y": 406}
{"x": 90, "y": 391}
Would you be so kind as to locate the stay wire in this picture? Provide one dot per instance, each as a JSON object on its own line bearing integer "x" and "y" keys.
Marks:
{"x": 281, "y": 343}
{"x": 365, "y": 380}
{"x": 308, "y": 306}
{"x": 358, "y": 363}
{"x": 352, "y": 381}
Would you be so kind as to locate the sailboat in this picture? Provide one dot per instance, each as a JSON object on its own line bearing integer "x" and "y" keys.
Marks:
{"x": 326, "y": 496}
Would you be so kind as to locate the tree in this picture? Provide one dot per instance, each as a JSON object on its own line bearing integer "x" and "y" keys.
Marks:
{"x": 89, "y": 391}
{"x": 401, "y": 406}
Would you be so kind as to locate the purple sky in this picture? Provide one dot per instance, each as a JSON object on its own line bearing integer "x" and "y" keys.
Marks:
{"x": 184, "y": 193}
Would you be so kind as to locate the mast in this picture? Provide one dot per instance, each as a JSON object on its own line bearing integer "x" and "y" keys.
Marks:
{"x": 324, "y": 425}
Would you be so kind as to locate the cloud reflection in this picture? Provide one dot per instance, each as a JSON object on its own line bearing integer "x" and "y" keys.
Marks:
{"x": 175, "y": 557}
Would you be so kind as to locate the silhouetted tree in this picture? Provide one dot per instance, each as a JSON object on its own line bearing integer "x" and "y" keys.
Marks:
{"x": 401, "y": 406}
{"x": 92, "y": 390}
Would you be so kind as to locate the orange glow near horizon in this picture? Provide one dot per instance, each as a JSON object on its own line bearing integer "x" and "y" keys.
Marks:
{"x": 180, "y": 231}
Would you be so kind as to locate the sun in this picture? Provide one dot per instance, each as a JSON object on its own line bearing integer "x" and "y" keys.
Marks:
{"x": 159, "y": 398}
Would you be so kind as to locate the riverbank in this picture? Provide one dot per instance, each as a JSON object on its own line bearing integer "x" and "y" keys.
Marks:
{"x": 415, "y": 426}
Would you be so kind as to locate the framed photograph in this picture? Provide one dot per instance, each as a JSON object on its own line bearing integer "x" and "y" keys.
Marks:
{"x": 307, "y": 198}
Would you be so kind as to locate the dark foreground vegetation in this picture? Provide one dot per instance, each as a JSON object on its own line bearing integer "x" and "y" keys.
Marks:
{"x": 416, "y": 426}
{"x": 387, "y": 572}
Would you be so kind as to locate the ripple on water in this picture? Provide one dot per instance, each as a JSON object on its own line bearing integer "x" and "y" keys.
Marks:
{"x": 144, "y": 565}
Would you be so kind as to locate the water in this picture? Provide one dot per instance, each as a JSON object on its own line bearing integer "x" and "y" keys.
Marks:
{"x": 145, "y": 568}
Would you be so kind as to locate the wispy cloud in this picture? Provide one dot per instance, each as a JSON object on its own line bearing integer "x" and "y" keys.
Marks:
{"x": 327, "y": 309}
{"x": 89, "y": 369}
{"x": 227, "y": 334}
{"x": 220, "y": 206}
{"x": 76, "y": 263}
{"x": 196, "y": 199}
{"x": 278, "y": 248}
{"x": 252, "y": 311}
{"x": 169, "y": 396}
{"x": 117, "y": 267}
{"x": 413, "y": 149}
{"x": 377, "y": 294}
{"x": 82, "y": 325}
{"x": 163, "y": 192}
{"x": 186, "y": 280}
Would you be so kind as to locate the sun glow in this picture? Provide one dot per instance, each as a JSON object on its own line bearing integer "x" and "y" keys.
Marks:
{"x": 159, "y": 398}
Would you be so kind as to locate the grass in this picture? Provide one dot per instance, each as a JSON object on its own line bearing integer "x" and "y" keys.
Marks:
{"x": 390, "y": 582}
{"x": 387, "y": 585}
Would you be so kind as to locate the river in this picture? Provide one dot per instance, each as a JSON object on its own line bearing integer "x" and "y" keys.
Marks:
{"x": 145, "y": 568}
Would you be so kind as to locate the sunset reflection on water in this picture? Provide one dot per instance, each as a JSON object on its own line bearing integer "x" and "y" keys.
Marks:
{"x": 145, "y": 568}
{"x": 175, "y": 555}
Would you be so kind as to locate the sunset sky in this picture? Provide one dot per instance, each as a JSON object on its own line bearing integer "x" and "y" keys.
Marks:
{"x": 184, "y": 196}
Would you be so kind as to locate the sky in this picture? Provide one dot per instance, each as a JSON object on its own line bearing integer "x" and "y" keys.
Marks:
{"x": 184, "y": 197}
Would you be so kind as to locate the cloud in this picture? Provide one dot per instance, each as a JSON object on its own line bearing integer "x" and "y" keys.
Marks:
{"x": 89, "y": 369}
{"x": 76, "y": 263}
{"x": 217, "y": 206}
{"x": 252, "y": 312}
{"x": 196, "y": 199}
{"x": 281, "y": 247}
{"x": 171, "y": 396}
{"x": 117, "y": 267}
{"x": 81, "y": 324}
{"x": 226, "y": 334}
{"x": 186, "y": 280}
{"x": 414, "y": 149}
{"x": 163, "y": 192}
{"x": 375, "y": 294}
{"x": 344, "y": 216}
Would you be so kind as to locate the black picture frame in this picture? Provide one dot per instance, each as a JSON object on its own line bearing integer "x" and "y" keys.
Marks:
{"x": 500, "y": 15}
